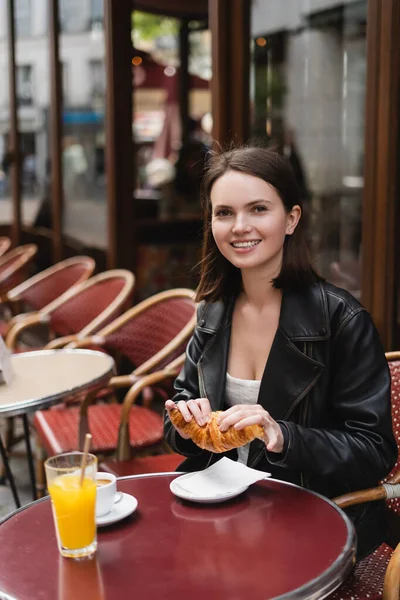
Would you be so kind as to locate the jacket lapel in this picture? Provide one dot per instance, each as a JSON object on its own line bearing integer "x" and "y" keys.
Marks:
{"x": 289, "y": 373}
{"x": 288, "y": 376}
{"x": 212, "y": 368}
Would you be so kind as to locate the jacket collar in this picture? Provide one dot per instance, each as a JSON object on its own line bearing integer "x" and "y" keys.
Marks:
{"x": 304, "y": 315}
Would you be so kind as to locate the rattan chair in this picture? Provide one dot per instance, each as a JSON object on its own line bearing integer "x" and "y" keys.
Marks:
{"x": 367, "y": 579}
{"x": 5, "y": 243}
{"x": 13, "y": 267}
{"x": 45, "y": 287}
{"x": 391, "y": 584}
{"x": 124, "y": 464}
{"x": 151, "y": 335}
{"x": 80, "y": 311}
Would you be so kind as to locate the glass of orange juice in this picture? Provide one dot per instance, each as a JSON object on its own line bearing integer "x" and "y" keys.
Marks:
{"x": 73, "y": 502}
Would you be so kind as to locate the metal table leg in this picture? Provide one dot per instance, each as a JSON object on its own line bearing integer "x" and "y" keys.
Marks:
{"x": 31, "y": 464}
{"x": 9, "y": 474}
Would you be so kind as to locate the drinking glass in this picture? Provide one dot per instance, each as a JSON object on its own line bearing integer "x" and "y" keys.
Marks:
{"x": 73, "y": 503}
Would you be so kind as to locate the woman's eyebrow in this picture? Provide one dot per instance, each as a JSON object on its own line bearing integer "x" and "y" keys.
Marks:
{"x": 249, "y": 204}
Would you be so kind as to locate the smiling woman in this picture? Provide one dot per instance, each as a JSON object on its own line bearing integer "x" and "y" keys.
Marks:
{"x": 263, "y": 193}
{"x": 278, "y": 347}
{"x": 251, "y": 233}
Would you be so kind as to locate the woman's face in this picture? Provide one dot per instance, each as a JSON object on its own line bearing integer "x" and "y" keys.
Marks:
{"x": 249, "y": 222}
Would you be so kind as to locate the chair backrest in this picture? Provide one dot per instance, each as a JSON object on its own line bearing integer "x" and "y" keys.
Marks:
{"x": 394, "y": 366}
{"x": 88, "y": 307}
{"x": 154, "y": 332}
{"x": 5, "y": 243}
{"x": 46, "y": 286}
{"x": 12, "y": 265}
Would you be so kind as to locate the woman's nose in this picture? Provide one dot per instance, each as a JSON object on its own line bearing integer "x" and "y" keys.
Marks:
{"x": 241, "y": 224}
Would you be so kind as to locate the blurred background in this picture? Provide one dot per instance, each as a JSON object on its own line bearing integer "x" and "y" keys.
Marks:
{"x": 108, "y": 110}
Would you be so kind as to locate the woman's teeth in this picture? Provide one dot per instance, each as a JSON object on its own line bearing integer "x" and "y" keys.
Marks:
{"x": 245, "y": 244}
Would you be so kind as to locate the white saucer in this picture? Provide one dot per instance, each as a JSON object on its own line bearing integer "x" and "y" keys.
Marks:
{"x": 126, "y": 506}
{"x": 186, "y": 495}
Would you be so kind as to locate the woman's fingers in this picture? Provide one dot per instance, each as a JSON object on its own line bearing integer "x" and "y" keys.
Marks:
{"x": 184, "y": 409}
{"x": 200, "y": 409}
{"x": 235, "y": 416}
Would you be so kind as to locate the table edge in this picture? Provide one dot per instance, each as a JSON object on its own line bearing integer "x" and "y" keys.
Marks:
{"x": 317, "y": 588}
{"x": 32, "y": 405}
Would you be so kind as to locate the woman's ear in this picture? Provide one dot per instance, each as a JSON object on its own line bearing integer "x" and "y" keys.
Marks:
{"x": 292, "y": 219}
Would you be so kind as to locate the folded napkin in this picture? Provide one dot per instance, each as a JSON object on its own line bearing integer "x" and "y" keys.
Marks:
{"x": 223, "y": 477}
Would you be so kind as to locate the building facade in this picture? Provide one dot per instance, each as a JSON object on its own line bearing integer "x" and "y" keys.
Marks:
{"x": 318, "y": 78}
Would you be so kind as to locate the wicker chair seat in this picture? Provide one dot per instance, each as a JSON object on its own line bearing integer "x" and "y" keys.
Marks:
{"x": 366, "y": 581}
{"x": 162, "y": 463}
{"x": 3, "y": 328}
{"x": 58, "y": 429}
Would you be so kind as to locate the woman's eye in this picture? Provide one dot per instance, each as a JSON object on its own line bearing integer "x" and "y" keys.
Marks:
{"x": 222, "y": 213}
{"x": 260, "y": 209}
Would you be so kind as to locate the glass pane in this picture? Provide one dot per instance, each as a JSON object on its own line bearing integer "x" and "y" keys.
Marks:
{"x": 169, "y": 166}
{"x": 308, "y": 96}
{"x": 5, "y": 191}
{"x": 33, "y": 99}
{"x": 83, "y": 143}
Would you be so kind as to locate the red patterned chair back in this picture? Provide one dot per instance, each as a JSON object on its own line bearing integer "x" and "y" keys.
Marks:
{"x": 12, "y": 266}
{"x": 394, "y": 366}
{"x": 160, "y": 324}
{"x": 90, "y": 306}
{"x": 5, "y": 243}
{"x": 45, "y": 287}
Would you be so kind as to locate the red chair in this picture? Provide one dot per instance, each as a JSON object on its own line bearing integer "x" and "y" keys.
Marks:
{"x": 13, "y": 267}
{"x": 45, "y": 287}
{"x": 5, "y": 243}
{"x": 151, "y": 335}
{"x": 80, "y": 311}
{"x": 367, "y": 579}
{"x": 124, "y": 464}
{"x": 391, "y": 584}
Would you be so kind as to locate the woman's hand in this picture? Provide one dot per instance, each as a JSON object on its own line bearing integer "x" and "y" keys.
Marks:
{"x": 200, "y": 409}
{"x": 241, "y": 415}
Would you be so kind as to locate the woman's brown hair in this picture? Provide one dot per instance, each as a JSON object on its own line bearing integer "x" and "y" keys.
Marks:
{"x": 219, "y": 279}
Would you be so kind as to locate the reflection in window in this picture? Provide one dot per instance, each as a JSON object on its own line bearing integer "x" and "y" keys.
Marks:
{"x": 83, "y": 135}
{"x": 65, "y": 80}
{"x": 97, "y": 14}
{"x": 73, "y": 19}
{"x": 25, "y": 85}
{"x": 23, "y": 19}
{"x": 308, "y": 94}
{"x": 97, "y": 80}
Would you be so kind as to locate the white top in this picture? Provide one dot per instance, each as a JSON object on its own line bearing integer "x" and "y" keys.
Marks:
{"x": 241, "y": 391}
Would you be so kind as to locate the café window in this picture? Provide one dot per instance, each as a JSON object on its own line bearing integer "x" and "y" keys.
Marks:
{"x": 72, "y": 18}
{"x": 23, "y": 18}
{"x": 308, "y": 86}
{"x": 65, "y": 80}
{"x": 97, "y": 14}
{"x": 97, "y": 79}
{"x": 25, "y": 85}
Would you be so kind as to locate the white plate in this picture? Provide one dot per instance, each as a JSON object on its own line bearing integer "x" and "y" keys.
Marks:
{"x": 186, "y": 495}
{"x": 120, "y": 510}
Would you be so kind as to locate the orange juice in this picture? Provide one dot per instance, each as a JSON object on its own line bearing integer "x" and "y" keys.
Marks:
{"x": 74, "y": 510}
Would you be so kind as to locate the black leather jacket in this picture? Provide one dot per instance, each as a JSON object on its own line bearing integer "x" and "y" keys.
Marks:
{"x": 326, "y": 382}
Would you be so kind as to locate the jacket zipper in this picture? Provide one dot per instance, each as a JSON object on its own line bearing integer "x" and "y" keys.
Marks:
{"x": 303, "y": 419}
{"x": 202, "y": 388}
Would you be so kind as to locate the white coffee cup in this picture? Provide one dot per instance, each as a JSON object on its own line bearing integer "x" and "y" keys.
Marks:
{"x": 106, "y": 493}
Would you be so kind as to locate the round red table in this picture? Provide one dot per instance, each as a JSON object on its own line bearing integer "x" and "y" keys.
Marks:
{"x": 274, "y": 541}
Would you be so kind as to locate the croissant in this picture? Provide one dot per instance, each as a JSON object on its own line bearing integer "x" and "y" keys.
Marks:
{"x": 209, "y": 437}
